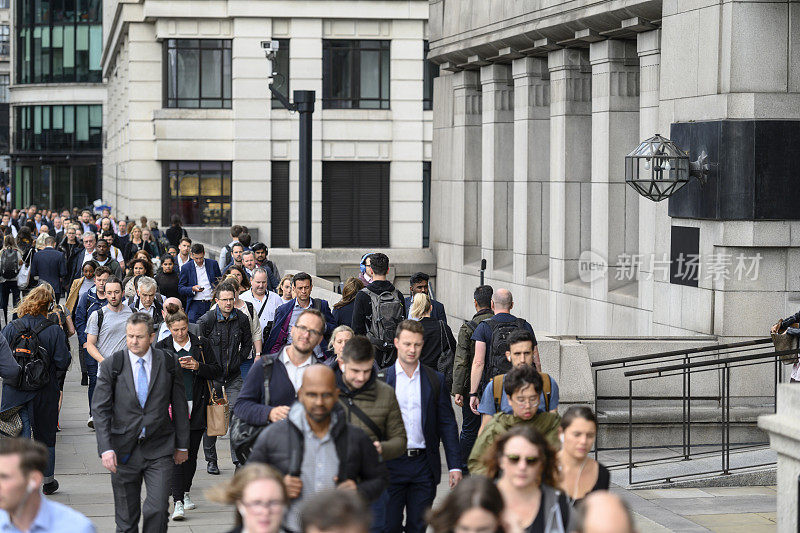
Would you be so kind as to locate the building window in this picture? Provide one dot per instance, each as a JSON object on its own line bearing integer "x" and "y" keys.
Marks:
{"x": 198, "y": 191}
{"x": 58, "y": 128}
{"x": 75, "y": 183}
{"x": 430, "y": 72}
{"x": 3, "y": 4}
{"x": 355, "y": 74}
{"x": 280, "y": 71}
{"x": 5, "y": 36}
{"x": 4, "y": 82}
{"x": 198, "y": 73}
{"x": 59, "y": 41}
{"x": 355, "y": 204}
{"x": 279, "y": 221}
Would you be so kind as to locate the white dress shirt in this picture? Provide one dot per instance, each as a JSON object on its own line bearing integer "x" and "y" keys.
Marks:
{"x": 270, "y": 302}
{"x": 181, "y": 262}
{"x": 295, "y": 372}
{"x": 148, "y": 366}
{"x": 163, "y": 332}
{"x": 409, "y": 395}
{"x": 202, "y": 280}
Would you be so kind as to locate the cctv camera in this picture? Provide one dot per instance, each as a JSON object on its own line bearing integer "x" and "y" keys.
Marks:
{"x": 270, "y": 46}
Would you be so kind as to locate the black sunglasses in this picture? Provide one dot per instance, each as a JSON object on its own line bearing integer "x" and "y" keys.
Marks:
{"x": 530, "y": 461}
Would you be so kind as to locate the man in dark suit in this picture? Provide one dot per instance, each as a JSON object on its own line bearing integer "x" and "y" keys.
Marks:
{"x": 286, "y": 316}
{"x": 50, "y": 265}
{"x": 196, "y": 282}
{"x": 419, "y": 283}
{"x": 137, "y": 438}
{"x": 428, "y": 418}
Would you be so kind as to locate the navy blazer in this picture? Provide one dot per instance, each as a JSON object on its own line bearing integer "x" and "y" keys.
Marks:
{"x": 78, "y": 262}
{"x": 280, "y": 326}
{"x": 249, "y": 404}
{"x": 438, "y": 423}
{"x": 49, "y": 265}
{"x": 436, "y": 312}
{"x": 188, "y": 278}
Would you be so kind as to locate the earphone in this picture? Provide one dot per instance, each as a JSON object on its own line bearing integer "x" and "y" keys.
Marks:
{"x": 31, "y": 486}
{"x": 363, "y": 266}
{"x": 561, "y": 438}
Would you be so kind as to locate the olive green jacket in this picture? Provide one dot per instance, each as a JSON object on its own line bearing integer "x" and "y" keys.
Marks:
{"x": 465, "y": 352}
{"x": 545, "y": 423}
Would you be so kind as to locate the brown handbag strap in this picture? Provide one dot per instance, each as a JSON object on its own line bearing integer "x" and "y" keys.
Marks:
{"x": 208, "y": 382}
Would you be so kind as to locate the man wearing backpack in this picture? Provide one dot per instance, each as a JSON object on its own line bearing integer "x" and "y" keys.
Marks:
{"x": 378, "y": 309}
{"x": 520, "y": 353}
{"x": 371, "y": 405}
{"x": 38, "y": 349}
{"x": 136, "y": 438}
{"x": 491, "y": 346}
{"x": 273, "y": 278}
{"x": 225, "y": 253}
{"x": 462, "y": 366}
{"x": 287, "y": 314}
{"x": 93, "y": 299}
{"x": 105, "y": 328}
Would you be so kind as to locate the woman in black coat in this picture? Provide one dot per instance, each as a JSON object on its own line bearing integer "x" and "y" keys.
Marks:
{"x": 199, "y": 366}
{"x": 437, "y": 337}
{"x": 343, "y": 309}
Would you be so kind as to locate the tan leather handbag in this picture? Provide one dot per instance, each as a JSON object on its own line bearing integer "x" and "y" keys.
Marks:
{"x": 217, "y": 410}
{"x": 784, "y": 341}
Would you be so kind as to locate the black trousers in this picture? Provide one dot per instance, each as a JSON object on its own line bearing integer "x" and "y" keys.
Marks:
{"x": 411, "y": 488}
{"x": 184, "y": 473}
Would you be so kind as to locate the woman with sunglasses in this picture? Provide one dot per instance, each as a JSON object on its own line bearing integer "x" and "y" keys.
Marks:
{"x": 580, "y": 474}
{"x": 523, "y": 386}
{"x": 526, "y": 471}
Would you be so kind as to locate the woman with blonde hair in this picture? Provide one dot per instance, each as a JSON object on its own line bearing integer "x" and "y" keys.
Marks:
{"x": 285, "y": 287}
{"x": 438, "y": 337}
{"x": 135, "y": 243}
{"x": 30, "y": 395}
{"x": 259, "y": 496}
{"x": 343, "y": 309}
{"x": 339, "y": 337}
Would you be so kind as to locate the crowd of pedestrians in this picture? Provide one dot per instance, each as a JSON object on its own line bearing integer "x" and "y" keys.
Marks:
{"x": 336, "y": 415}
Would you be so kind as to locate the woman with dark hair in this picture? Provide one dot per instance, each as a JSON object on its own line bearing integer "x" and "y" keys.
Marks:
{"x": 138, "y": 267}
{"x": 343, "y": 309}
{"x": 167, "y": 277}
{"x": 199, "y": 365}
{"x": 175, "y": 232}
{"x": 259, "y": 498}
{"x": 475, "y": 505}
{"x": 580, "y": 474}
{"x": 240, "y": 275}
{"x": 11, "y": 255}
{"x": 526, "y": 470}
{"x": 37, "y": 407}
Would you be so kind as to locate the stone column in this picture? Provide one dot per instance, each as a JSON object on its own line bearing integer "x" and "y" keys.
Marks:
{"x": 649, "y": 51}
{"x": 465, "y": 169}
{"x": 615, "y": 132}
{"x": 570, "y": 162}
{"x": 531, "y": 168}
{"x": 497, "y": 167}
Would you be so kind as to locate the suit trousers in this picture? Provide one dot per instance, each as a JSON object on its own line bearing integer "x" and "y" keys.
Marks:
{"x": 469, "y": 432}
{"x": 411, "y": 487}
{"x": 232, "y": 390}
{"x": 127, "y": 487}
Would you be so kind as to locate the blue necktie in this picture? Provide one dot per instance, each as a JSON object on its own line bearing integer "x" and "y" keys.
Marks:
{"x": 141, "y": 383}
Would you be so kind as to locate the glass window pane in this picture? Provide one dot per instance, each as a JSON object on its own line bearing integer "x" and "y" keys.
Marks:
{"x": 385, "y": 82}
{"x": 212, "y": 74}
{"x": 82, "y": 38}
{"x": 37, "y": 119}
{"x": 226, "y": 74}
{"x": 211, "y": 185}
{"x": 69, "y": 119}
{"x": 370, "y": 74}
{"x": 96, "y": 116}
{"x": 69, "y": 47}
{"x": 95, "y": 47}
{"x": 82, "y": 122}
{"x": 190, "y": 185}
{"x": 188, "y": 74}
{"x": 58, "y": 117}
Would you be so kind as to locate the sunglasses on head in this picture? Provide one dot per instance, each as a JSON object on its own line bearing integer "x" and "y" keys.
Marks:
{"x": 530, "y": 461}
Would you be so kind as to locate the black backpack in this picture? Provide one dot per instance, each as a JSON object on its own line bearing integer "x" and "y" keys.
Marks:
{"x": 228, "y": 254}
{"x": 388, "y": 310}
{"x": 243, "y": 435}
{"x": 496, "y": 362}
{"x": 9, "y": 263}
{"x": 30, "y": 355}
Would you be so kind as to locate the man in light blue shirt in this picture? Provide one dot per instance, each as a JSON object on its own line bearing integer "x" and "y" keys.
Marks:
{"x": 23, "y": 507}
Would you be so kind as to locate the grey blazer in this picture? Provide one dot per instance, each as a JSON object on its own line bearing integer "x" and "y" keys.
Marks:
{"x": 118, "y": 418}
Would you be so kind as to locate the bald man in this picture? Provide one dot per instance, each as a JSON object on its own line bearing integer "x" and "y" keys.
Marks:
{"x": 172, "y": 305}
{"x": 310, "y": 444}
{"x": 490, "y": 346}
{"x": 603, "y": 512}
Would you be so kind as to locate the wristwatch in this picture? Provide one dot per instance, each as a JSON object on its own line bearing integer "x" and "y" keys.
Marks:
{"x": 475, "y": 394}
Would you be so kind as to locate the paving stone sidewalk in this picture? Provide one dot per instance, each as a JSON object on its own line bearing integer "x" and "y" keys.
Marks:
{"x": 86, "y": 486}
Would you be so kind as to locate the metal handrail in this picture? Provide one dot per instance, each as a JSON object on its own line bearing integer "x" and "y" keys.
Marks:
{"x": 751, "y": 357}
{"x": 661, "y": 355}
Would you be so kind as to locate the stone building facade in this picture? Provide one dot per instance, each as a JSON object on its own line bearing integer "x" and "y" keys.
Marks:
{"x": 537, "y": 107}
{"x": 221, "y": 150}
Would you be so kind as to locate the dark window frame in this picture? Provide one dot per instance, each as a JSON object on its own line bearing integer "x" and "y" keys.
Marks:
{"x": 225, "y": 171}
{"x": 5, "y": 82}
{"x": 52, "y": 139}
{"x": 355, "y": 47}
{"x": 283, "y": 45}
{"x": 175, "y": 103}
{"x": 429, "y": 73}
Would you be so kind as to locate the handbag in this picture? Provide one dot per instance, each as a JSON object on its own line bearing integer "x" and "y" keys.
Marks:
{"x": 783, "y": 341}
{"x": 217, "y": 410}
{"x": 447, "y": 358}
{"x": 24, "y": 274}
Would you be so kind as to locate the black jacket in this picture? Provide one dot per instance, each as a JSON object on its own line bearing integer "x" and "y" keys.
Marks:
{"x": 208, "y": 370}
{"x": 343, "y": 316}
{"x": 281, "y": 446}
{"x": 168, "y": 283}
{"x": 230, "y": 339}
{"x": 436, "y": 331}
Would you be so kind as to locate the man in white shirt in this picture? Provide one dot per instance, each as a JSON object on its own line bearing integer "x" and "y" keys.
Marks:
{"x": 264, "y": 302}
{"x": 196, "y": 281}
{"x": 236, "y": 230}
{"x": 414, "y": 475}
